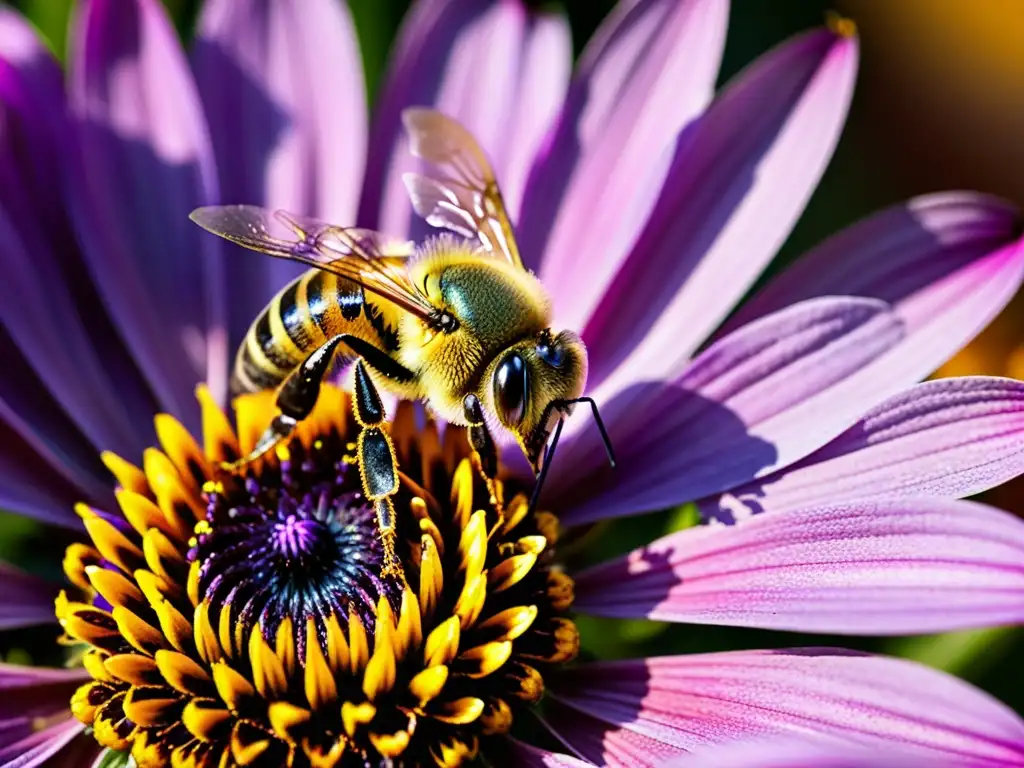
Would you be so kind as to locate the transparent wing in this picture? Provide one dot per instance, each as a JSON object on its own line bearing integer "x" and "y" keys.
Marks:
{"x": 368, "y": 258}
{"x": 459, "y": 191}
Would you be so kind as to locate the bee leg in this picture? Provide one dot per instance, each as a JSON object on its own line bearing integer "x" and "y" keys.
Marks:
{"x": 485, "y": 452}
{"x": 295, "y": 400}
{"x": 378, "y": 466}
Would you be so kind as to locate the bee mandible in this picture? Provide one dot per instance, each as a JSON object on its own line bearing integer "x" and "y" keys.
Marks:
{"x": 456, "y": 322}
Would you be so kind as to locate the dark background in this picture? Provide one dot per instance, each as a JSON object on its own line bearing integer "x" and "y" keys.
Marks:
{"x": 939, "y": 105}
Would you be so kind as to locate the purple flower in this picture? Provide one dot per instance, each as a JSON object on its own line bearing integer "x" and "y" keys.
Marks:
{"x": 648, "y": 209}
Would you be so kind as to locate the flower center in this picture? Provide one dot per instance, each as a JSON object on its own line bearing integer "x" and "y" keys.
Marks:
{"x": 243, "y": 620}
{"x": 300, "y": 544}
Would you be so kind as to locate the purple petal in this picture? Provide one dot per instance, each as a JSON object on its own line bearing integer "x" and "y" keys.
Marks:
{"x": 468, "y": 59}
{"x": 738, "y": 184}
{"x": 761, "y": 398}
{"x": 945, "y": 261}
{"x": 545, "y": 66}
{"x": 878, "y": 568}
{"x": 32, "y": 94}
{"x": 38, "y": 312}
{"x": 32, "y": 695}
{"x": 44, "y": 296}
{"x": 653, "y": 709}
{"x": 143, "y": 163}
{"x": 26, "y": 599}
{"x": 29, "y": 484}
{"x": 649, "y": 72}
{"x": 520, "y": 753}
{"x": 804, "y": 753}
{"x": 37, "y": 435}
{"x": 282, "y": 85}
{"x": 41, "y": 748}
{"x": 945, "y": 438}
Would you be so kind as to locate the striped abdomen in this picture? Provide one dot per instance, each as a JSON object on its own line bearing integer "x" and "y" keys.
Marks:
{"x": 306, "y": 313}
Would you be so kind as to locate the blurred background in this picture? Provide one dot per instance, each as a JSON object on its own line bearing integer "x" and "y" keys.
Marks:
{"x": 939, "y": 105}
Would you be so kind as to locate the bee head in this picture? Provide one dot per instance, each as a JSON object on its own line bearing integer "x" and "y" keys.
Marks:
{"x": 531, "y": 384}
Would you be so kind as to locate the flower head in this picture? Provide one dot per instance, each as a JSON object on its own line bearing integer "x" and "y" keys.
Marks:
{"x": 234, "y": 621}
{"x": 246, "y": 620}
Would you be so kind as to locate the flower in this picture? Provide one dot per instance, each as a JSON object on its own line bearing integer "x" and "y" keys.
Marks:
{"x": 269, "y": 637}
{"x": 636, "y": 197}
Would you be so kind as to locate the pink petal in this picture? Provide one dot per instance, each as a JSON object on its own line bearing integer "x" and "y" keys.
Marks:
{"x": 646, "y": 711}
{"x": 282, "y": 86}
{"x": 946, "y": 438}
{"x": 737, "y": 186}
{"x": 758, "y": 399}
{"x": 143, "y": 163}
{"x": 649, "y": 72}
{"x": 26, "y": 600}
{"x": 807, "y": 753}
{"x": 946, "y": 262}
{"x": 471, "y": 60}
{"x": 878, "y": 568}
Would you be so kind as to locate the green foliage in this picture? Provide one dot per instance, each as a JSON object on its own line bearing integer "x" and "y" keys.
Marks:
{"x": 51, "y": 18}
{"x": 112, "y": 759}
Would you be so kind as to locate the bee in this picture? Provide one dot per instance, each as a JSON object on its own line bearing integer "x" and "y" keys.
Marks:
{"x": 456, "y": 322}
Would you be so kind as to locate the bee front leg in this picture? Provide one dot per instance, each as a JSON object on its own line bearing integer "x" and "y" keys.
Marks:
{"x": 485, "y": 451}
{"x": 297, "y": 395}
{"x": 378, "y": 466}
{"x": 296, "y": 399}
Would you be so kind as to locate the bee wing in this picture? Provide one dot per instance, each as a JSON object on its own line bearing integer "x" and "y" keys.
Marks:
{"x": 363, "y": 256}
{"x": 460, "y": 191}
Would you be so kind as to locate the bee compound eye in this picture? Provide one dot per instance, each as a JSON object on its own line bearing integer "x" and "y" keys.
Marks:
{"x": 510, "y": 389}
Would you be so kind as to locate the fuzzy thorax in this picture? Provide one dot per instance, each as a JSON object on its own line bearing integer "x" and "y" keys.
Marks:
{"x": 495, "y": 305}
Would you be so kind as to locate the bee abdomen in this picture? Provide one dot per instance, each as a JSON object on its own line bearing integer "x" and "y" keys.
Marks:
{"x": 279, "y": 339}
{"x": 306, "y": 313}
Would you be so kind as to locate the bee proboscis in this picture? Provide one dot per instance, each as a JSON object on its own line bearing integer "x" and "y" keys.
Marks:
{"x": 456, "y": 322}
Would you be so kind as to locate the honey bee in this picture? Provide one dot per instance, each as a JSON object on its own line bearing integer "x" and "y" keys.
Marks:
{"x": 456, "y": 322}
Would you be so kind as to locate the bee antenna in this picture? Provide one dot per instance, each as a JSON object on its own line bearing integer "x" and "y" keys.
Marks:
{"x": 600, "y": 426}
{"x": 549, "y": 449}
